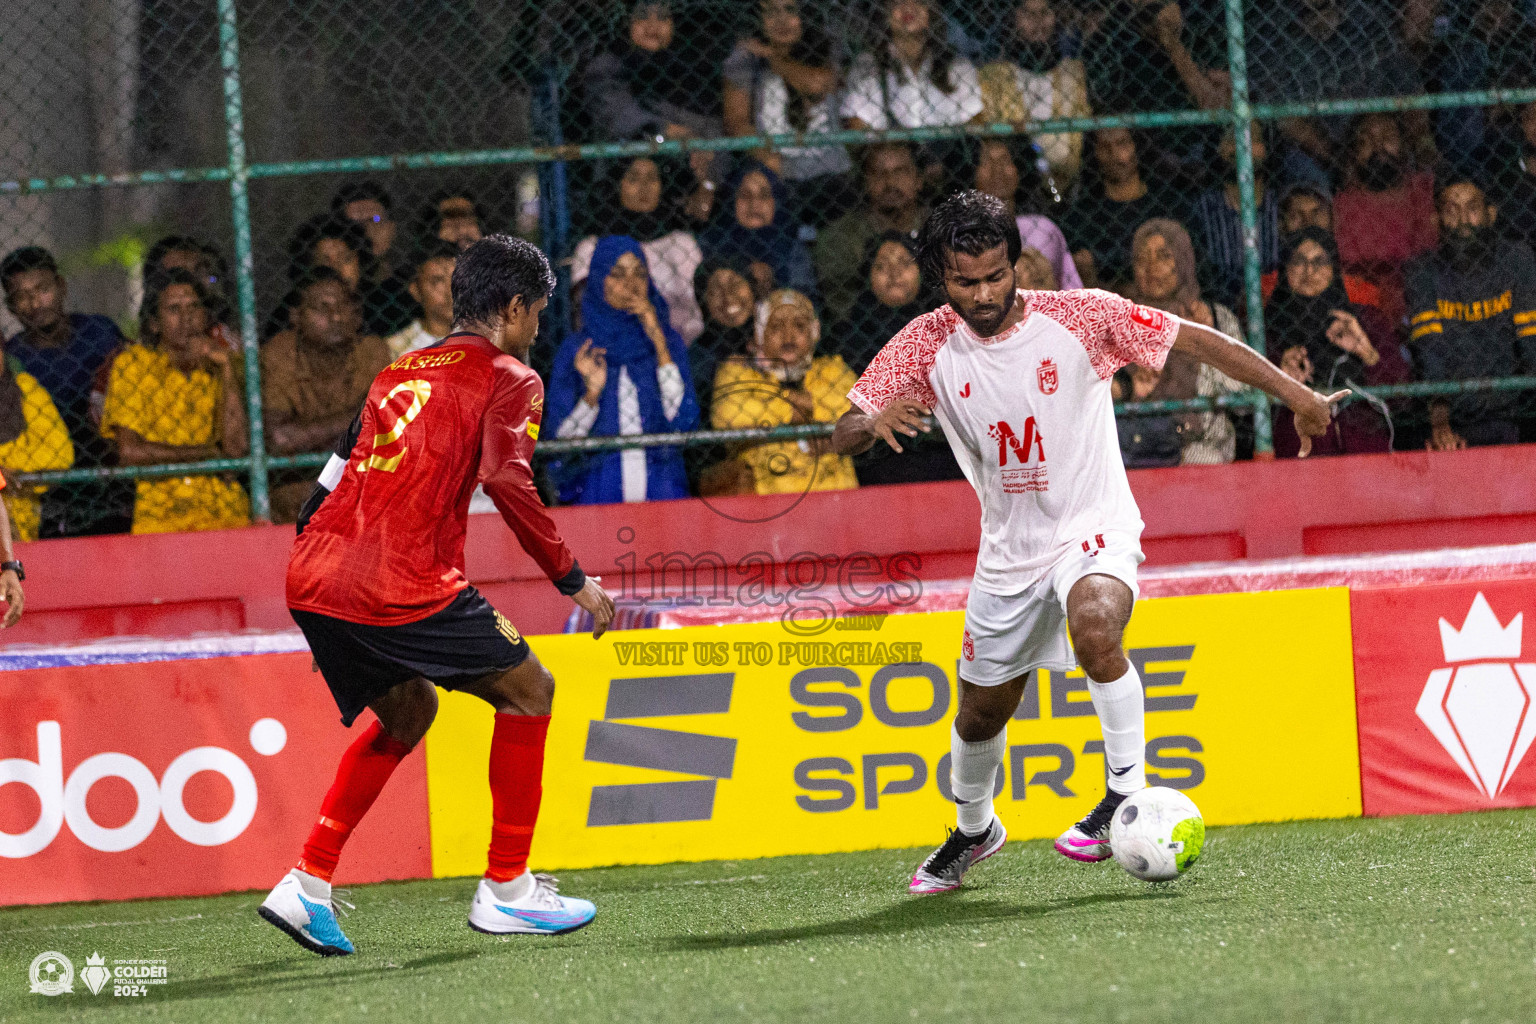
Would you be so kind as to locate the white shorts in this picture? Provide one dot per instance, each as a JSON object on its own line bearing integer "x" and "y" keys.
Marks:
{"x": 1006, "y": 637}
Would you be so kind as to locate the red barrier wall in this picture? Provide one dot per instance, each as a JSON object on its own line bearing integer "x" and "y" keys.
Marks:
{"x": 179, "y": 778}
{"x": 174, "y": 585}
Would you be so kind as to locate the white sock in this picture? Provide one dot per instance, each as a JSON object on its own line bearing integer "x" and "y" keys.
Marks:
{"x": 1123, "y": 719}
{"x": 315, "y": 888}
{"x": 516, "y": 889}
{"x": 972, "y": 774}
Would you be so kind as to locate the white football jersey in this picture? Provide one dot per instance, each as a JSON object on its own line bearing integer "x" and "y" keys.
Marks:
{"x": 1030, "y": 418}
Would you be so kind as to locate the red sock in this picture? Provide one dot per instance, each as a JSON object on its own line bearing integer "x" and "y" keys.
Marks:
{"x": 365, "y": 767}
{"x": 517, "y": 771}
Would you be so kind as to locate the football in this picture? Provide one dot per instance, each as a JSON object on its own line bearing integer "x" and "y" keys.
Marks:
{"x": 1157, "y": 834}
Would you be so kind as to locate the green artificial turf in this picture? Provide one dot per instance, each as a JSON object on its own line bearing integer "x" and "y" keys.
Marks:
{"x": 1408, "y": 919}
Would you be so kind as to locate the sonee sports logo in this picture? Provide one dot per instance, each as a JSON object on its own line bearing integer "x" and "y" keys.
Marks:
{"x": 1480, "y": 710}
{"x": 688, "y": 753}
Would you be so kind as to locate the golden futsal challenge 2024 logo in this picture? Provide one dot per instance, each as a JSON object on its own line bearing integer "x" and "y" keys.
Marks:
{"x": 53, "y": 974}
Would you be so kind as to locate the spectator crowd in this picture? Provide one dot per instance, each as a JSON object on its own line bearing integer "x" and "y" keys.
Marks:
{"x": 749, "y": 288}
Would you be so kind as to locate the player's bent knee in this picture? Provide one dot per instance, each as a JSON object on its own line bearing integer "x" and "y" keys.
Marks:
{"x": 544, "y": 688}
{"x": 1100, "y": 654}
{"x": 985, "y": 710}
{"x": 408, "y": 711}
{"x": 979, "y": 727}
{"x": 528, "y": 689}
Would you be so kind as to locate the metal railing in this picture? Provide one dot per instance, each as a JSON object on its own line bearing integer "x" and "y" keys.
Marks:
{"x": 238, "y": 172}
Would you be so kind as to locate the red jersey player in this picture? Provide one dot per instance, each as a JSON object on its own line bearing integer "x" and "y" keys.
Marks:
{"x": 376, "y": 582}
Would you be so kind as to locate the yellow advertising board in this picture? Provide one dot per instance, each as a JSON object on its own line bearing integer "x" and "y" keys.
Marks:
{"x": 750, "y": 741}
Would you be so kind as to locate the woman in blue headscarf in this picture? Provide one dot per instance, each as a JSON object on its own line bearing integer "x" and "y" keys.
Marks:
{"x": 755, "y": 224}
{"x": 621, "y": 375}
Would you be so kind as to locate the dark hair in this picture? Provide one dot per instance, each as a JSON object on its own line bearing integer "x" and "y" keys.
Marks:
{"x": 171, "y": 243}
{"x": 28, "y": 257}
{"x": 887, "y": 146}
{"x": 878, "y": 242}
{"x": 301, "y": 247}
{"x": 353, "y": 191}
{"x": 1306, "y": 188}
{"x": 319, "y": 274}
{"x": 1092, "y": 176}
{"x": 434, "y": 249}
{"x": 1357, "y": 126}
{"x": 606, "y": 214}
{"x": 1446, "y": 177}
{"x": 217, "y": 300}
{"x": 814, "y": 50}
{"x": 968, "y": 222}
{"x": 734, "y": 262}
{"x": 1028, "y": 161}
{"x": 493, "y": 272}
{"x": 937, "y": 46}
{"x": 157, "y": 283}
{"x": 432, "y": 215}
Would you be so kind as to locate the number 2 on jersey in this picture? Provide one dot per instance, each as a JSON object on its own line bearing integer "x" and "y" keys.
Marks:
{"x": 421, "y": 393}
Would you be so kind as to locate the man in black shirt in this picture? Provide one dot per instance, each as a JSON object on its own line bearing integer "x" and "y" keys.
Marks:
{"x": 1472, "y": 314}
{"x": 1112, "y": 204}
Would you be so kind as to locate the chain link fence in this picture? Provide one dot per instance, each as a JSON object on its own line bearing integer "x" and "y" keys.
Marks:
{"x": 223, "y": 217}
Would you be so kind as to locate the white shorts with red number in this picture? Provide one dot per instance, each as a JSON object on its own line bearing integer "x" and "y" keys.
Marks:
{"x": 1006, "y": 637}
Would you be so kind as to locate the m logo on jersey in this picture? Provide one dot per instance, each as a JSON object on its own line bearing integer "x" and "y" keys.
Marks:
{"x": 1046, "y": 375}
{"x": 1008, "y": 441}
{"x": 1026, "y": 476}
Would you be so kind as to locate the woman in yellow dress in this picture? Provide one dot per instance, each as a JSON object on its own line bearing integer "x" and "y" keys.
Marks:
{"x": 32, "y": 438}
{"x": 176, "y": 396}
{"x": 781, "y": 381}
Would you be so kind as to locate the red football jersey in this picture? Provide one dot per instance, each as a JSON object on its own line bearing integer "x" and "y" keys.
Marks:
{"x": 386, "y": 545}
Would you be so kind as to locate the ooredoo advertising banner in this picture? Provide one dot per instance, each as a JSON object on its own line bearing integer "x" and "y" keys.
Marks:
{"x": 1445, "y": 677}
{"x": 178, "y": 778}
{"x": 750, "y": 741}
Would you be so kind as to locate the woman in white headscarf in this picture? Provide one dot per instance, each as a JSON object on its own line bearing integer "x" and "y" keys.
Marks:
{"x": 779, "y": 382}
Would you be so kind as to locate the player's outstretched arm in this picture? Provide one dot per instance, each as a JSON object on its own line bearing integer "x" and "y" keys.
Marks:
{"x": 1314, "y": 412}
{"x": 857, "y": 431}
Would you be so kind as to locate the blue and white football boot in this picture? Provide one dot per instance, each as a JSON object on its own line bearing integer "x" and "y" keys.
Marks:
{"x": 540, "y": 911}
{"x": 310, "y": 923}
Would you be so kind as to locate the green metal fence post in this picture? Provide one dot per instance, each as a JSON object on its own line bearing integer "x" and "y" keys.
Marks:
{"x": 1242, "y": 129}
{"x": 245, "y": 265}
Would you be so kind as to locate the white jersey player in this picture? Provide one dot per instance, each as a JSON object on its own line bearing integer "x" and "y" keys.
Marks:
{"x": 1020, "y": 383}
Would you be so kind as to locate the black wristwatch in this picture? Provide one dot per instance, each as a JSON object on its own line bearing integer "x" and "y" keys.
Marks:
{"x": 15, "y": 567}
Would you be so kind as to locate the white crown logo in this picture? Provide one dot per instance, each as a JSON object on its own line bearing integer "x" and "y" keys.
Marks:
{"x": 1481, "y": 713}
{"x": 95, "y": 974}
{"x": 1481, "y": 637}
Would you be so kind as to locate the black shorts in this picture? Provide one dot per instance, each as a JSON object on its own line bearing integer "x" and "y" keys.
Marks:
{"x": 464, "y": 642}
